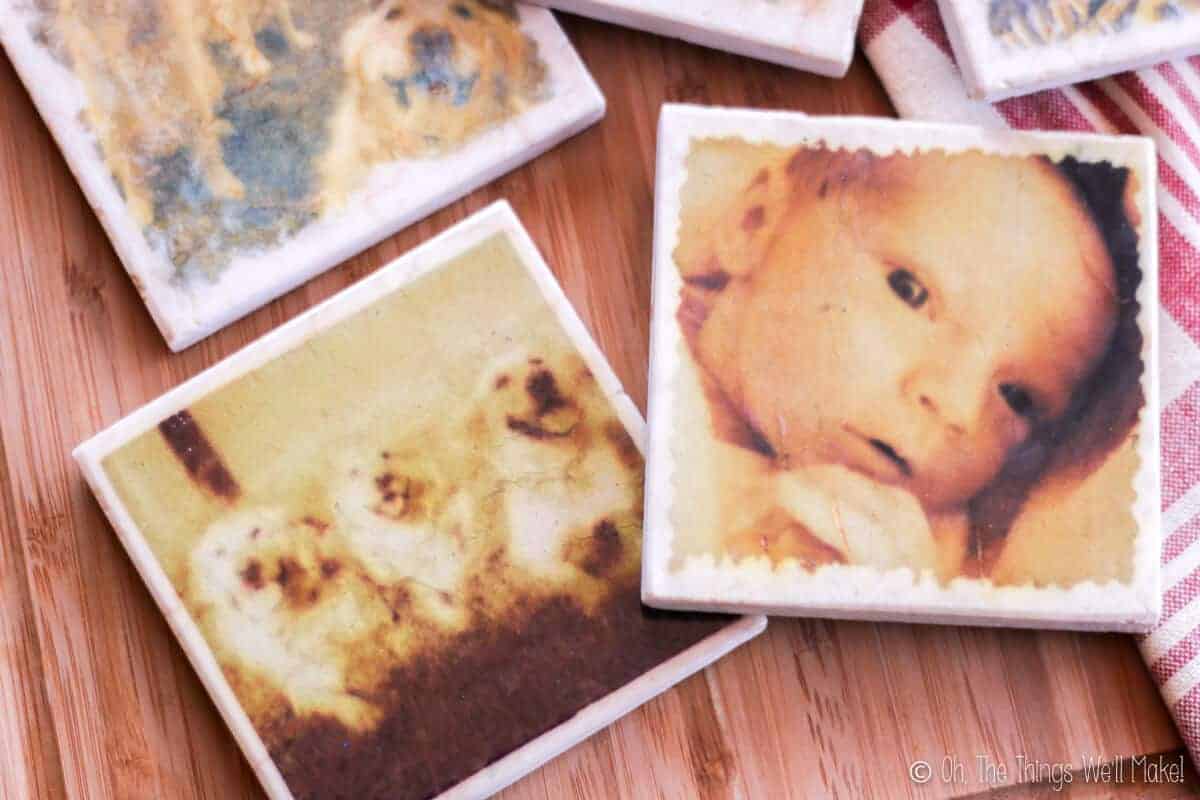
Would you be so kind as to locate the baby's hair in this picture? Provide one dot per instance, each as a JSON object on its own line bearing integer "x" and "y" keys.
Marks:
{"x": 1106, "y": 405}
{"x": 1102, "y": 188}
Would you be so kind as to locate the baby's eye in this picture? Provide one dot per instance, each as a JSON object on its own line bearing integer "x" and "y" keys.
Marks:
{"x": 1018, "y": 399}
{"x": 908, "y": 288}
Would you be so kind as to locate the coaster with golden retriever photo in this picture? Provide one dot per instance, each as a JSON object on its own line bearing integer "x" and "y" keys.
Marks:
{"x": 233, "y": 150}
{"x": 812, "y": 35}
{"x": 399, "y": 538}
{"x": 903, "y": 371}
{"x": 1012, "y": 47}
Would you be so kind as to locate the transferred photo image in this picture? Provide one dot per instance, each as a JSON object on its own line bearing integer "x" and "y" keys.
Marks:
{"x": 1031, "y": 23}
{"x": 404, "y": 531}
{"x": 235, "y": 149}
{"x": 994, "y": 41}
{"x": 919, "y": 357}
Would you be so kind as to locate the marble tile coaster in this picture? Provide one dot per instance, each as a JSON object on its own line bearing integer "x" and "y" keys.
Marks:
{"x": 400, "y": 537}
{"x": 234, "y": 150}
{"x": 1012, "y": 47}
{"x": 813, "y": 35}
{"x": 903, "y": 371}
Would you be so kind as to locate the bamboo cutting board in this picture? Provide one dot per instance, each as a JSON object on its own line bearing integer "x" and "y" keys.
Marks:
{"x": 97, "y": 700}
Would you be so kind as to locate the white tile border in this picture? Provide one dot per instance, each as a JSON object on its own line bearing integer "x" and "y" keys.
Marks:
{"x": 495, "y": 219}
{"x": 752, "y": 585}
{"x": 994, "y": 72}
{"x": 395, "y": 195}
{"x": 821, "y": 41}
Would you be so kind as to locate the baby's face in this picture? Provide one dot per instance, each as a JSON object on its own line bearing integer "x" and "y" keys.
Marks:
{"x": 916, "y": 329}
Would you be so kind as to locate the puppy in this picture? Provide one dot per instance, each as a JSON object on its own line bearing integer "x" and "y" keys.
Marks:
{"x": 152, "y": 86}
{"x": 421, "y": 76}
{"x": 531, "y": 487}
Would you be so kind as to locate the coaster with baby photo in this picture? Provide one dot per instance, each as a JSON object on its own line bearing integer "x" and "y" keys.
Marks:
{"x": 233, "y": 150}
{"x": 813, "y": 35}
{"x": 903, "y": 371}
{"x": 399, "y": 538}
{"x": 1012, "y": 47}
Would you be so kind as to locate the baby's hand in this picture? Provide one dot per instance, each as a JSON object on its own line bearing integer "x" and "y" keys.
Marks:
{"x": 869, "y": 522}
{"x": 779, "y": 537}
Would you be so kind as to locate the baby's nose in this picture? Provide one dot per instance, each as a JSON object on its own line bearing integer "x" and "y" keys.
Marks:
{"x": 949, "y": 395}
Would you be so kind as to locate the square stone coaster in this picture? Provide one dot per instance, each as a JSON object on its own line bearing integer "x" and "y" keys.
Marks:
{"x": 903, "y": 371}
{"x": 234, "y": 150}
{"x": 1012, "y": 47}
{"x": 813, "y": 35}
{"x": 400, "y": 537}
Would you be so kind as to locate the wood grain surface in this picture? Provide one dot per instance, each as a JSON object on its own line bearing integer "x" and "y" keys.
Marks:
{"x": 97, "y": 700}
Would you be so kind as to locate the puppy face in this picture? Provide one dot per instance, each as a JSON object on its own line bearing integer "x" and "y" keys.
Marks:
{"x": 573, "y": 476}
{"x": 286, "y": 607}
{"x": 449, "y": 66}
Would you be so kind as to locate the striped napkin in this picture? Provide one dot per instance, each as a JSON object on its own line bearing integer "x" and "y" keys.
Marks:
{"x": 907, "y": 45}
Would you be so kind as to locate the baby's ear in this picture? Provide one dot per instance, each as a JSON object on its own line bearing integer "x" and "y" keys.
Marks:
{"x": 744, "y": 235}
{"x": 738, "y": 242}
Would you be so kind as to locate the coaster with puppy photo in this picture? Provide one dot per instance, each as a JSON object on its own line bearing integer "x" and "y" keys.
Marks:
{"x": 813, "y": 35}
{"x": 399, "y": 538}
{"x": 1006, "y": 48}
{"x": 234, "y": 150}
{"x": 903, "y": 371}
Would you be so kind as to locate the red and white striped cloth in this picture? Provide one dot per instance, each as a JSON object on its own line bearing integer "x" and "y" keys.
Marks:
{"x": 907, "y": 45}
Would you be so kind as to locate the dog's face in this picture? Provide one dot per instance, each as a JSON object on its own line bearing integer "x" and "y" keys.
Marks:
{"x": 441, "y": 49}
{"x": 450, "y": 67}
{"x": 572, "y": 502}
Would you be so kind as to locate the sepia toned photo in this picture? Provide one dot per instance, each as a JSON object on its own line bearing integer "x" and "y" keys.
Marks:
{"x": 226, "y": 130}
{"x": 411, "y": 542}
{"x": 921, "y": 359}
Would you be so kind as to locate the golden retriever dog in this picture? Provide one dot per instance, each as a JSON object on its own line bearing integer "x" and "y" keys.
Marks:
{"x": 421, "y": 76}
{"x": 417, "y": 78}
{"x": 151, "y": 84}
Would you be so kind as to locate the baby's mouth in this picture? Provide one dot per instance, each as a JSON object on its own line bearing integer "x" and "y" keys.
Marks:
{"x": 890, "y": 453}
{"x": 869, "y": 456}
